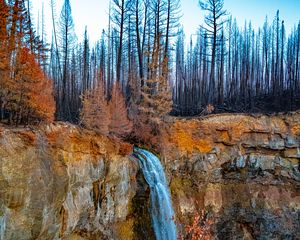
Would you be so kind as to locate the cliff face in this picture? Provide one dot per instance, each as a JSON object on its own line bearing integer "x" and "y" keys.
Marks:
{"x": 243, "y": 170}
{"x": 62, "y": 182}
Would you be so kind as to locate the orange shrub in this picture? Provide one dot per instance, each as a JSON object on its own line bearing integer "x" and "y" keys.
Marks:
{"x": 199, "y": 229}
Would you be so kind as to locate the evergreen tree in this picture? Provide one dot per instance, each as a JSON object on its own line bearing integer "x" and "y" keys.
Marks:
{"x": 120, "y": 124}
{"x": 4, "y": 57}
{"x": 32, "y": 91}
{"x": 156, "y": 94}
{"x": 95, "y": 112}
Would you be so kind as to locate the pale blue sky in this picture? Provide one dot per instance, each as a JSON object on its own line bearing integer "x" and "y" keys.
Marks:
{"x": 94, "y": 14}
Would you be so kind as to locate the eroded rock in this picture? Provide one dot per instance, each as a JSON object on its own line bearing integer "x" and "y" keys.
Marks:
{"x": 61, "y": 182}
{"x": 243, "y": 170}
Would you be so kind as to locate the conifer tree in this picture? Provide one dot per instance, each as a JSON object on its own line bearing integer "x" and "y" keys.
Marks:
{"x": 156, "y": 94}
{"x": 26, "y": 93}
{"x": 120, "y": 124}
{"x": 3, "y": 22}
{"x": 214, "y": 22}
{"x": 4, "y": 61}
{"x": 95, "y": 113}
{"x": 32, "y": 98}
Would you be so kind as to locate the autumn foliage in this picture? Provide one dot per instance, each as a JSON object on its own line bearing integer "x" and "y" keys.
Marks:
{"x": 27, "y": 96}
{"x": 26, "y": 92}
{"x": 156, "y": 94}
{"x": 95, "y": 112}
{"x": 32, "y": 90}
{"x": 107, "y": 118}
{"x": 120, "y": 125}
{"x": 199, "y": 229}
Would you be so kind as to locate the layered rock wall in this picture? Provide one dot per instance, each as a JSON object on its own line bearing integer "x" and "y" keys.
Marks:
{"x": 244, "y": 170}
{"x": 61, "y": 182}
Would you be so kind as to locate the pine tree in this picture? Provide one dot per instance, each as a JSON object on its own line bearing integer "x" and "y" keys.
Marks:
{"x": 120, "y": 125}
{"x": 32, "y": 98}
{"x": 156, "y": 94}
{"x": 95, "y": 112}
{"x": 4, "y": 56}
{"x": 3, "y": 22}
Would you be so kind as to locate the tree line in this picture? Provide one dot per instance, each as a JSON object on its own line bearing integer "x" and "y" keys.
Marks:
{"x": 237, "y": 69}
{"x": 225, "y": 67}
{"x": 143, "y": 68}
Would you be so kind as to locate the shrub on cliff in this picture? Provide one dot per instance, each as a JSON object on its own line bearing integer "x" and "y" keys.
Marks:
{"x": 199, "y": 229}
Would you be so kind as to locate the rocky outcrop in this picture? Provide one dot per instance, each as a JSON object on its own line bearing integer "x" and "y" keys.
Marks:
{"x": 62, "y": 182}
{"x": 243, "y": 170}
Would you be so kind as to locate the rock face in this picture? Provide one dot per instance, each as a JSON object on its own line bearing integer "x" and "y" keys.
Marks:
{"x": 243, "y": 170}
{"x": 60, "y": 182}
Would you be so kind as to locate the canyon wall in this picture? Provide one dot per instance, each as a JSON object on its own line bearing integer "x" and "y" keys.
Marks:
{"x": 244, "y": 170}
{"x": 62, "y": 182}
{"x": 59, "y": 181}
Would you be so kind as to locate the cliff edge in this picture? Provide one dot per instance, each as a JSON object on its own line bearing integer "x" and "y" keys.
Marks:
{"x": 59, "y": 181}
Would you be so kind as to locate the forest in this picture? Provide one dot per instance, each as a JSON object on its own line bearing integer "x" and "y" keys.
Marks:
{"x": 143, "y": 67}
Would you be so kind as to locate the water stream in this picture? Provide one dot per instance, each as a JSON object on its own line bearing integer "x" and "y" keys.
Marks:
{"x": 2, "y": 227}
{"x": 162, "y": 213}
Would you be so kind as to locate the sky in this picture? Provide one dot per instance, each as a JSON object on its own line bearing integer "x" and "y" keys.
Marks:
{"x": 94, "y": 14}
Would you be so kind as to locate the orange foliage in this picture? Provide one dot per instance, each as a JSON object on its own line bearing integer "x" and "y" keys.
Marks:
{"x": 106, "y": 118}
{"x": 199, "y": 229}
{"x": 3, "y": 23}
{"x": 120, "y": 125}
{"x": 4, "y": 62}
{"x": 32, "y": 90}
{"x": 26, "y": 93}
{"x": 156, "y": 93}
{"x": 95, "y": 112}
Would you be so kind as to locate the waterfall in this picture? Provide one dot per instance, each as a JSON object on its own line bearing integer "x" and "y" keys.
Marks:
{"x": 162, "y": 212}
{"x": 2, "y": 226}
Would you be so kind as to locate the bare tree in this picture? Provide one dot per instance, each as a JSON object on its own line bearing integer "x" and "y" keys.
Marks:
{"x": 214, "y": 22}
{"x": 67, "y": 41}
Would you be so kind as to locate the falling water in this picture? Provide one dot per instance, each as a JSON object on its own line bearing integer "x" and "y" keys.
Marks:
{"x": 162, "y": 213}
{"x": 2, "y": 227}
